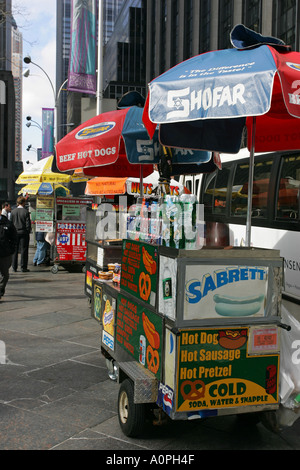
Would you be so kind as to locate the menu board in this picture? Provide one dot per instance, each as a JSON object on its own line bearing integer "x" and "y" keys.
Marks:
{"x": 215, "y": 370}
{"x": 139, "y": 270}
{"x": 139, "y": 332}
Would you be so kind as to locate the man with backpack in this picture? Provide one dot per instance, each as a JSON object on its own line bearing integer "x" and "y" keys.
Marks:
{"x": 8, "y": 245}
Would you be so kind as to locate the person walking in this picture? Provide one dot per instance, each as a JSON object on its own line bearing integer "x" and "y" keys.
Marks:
{"x": 8, "y": 245}
{"x": 21, "y": 219}
{"x": 6, "y": 210}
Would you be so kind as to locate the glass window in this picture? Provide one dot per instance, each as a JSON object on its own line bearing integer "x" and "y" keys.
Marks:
{"x": 204, "y": 25}
{"x": 215, "y": 192}
{"x": 225, "y": 24}
{"x": 287, "y": 200}
{"x": 261, "y": 179}
{"x": 252, "y": 14}
{"x": 284, "y": 20}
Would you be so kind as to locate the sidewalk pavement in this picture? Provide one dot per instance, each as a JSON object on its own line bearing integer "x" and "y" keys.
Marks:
{"x": 54, "y": 389}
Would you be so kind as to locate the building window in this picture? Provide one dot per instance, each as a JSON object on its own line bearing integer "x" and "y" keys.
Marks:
{"x": 252, "y": 14}
{"x": 188, "y": 29}
{"x": 225, "y": 23}
{"x": 204, "y": 23}
{"x": 284, "y": 21}
{"x": 174, "y": 33}
{"x": 163, "y": 35}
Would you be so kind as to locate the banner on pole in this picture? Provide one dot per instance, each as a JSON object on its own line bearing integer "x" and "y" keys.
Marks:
{"x": 48, "y": 132}
{"x": 82, "y": 63}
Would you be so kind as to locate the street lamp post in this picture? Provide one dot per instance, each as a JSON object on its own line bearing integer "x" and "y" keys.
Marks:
{"x": 30, "y": 121}
{"x": 30, "y": 148}
{"x": 28, "y": 60}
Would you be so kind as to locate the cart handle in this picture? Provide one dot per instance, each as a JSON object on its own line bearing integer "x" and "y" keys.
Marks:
{"x": 284, "y": 326}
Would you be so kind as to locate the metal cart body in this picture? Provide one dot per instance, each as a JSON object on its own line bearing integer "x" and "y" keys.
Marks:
{"x": 194, "y": 333}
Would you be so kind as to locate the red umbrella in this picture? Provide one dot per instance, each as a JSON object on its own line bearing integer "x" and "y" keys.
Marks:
{"x": 206, "y": 101}
{"x": 115, "y": 143}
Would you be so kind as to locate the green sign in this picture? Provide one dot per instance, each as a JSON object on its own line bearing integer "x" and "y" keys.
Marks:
{"x": 139, "y": 270}
{"x": 70, "y": 211}
{"x": 139, "y": 332}
{"x": 44, "y": 214}
{"x": 215, "y": 370}
{"x": 97, "y": 298}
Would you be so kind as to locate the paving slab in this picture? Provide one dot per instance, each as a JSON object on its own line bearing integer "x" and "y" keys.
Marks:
{"x": 55, "y": 393}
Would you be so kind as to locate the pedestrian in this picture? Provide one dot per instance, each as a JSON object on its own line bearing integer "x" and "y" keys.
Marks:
{"x": 21, "y": 219}
{"x": 6, "y": 210}
{"x": 41, "y": 249}
{"x": 8, "y": 245}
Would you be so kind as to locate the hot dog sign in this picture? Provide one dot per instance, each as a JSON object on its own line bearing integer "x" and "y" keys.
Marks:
{"x": 215, "y": 370}
{"x": 225, "y": 291}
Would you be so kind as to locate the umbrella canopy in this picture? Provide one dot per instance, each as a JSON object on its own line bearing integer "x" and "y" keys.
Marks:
{"x": 116, "y": 144}
{"x": 42, "y": 172}
{"x": 44, "y": 189}
{"x": 206, "y": 101}
{"x": 111, "y": 144}
{"x": 117, "y": 186}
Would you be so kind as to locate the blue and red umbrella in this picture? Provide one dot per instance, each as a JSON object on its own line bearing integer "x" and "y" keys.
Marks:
{"x": 116, "y": 144}
{"x": 207, "y": 101}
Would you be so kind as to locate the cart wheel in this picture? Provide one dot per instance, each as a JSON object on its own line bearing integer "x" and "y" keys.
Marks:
{"x": 54, "y": 269}
{"x": 131, "y": 415}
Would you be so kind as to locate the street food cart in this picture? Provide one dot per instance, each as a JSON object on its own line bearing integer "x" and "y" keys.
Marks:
{"x": 192, "y": 333}
{"x": 70, "y": 229}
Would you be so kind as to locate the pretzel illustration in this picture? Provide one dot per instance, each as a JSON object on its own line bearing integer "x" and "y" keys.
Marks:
{"x": 192, "y": 390}
{"x": 144, "y": 286}
{"x": 153, "y": 360}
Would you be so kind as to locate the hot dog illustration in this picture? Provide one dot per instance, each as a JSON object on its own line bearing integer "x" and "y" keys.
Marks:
{"x": 150, "y": 332}
{"x": 149, "y": 262}
{"x": 232, "y": 339}
{"x": 230, "y": 306}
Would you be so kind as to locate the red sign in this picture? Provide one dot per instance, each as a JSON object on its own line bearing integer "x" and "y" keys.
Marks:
{"x": 70, "y": 241}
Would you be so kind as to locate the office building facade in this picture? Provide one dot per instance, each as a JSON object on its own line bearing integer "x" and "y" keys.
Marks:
{"x": 10, "y": 101}
{"x": 69, "y": 103}
{"x": 179, "y": 29}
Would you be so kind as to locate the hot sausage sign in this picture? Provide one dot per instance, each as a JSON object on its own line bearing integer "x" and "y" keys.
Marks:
{"x": 215, "y": 370}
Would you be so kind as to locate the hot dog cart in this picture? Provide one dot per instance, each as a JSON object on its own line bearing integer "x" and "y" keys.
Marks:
{"x": 193, "y": 333}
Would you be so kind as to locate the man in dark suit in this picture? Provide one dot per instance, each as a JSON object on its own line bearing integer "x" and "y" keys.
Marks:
{"x": 8, "y": 242}
{"x": 21, "y": 219}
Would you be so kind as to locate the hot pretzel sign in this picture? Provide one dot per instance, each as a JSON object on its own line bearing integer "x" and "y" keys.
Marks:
{"x": 216, "y": 369}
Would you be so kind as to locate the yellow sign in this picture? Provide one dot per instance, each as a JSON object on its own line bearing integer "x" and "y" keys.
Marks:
{"x": 45, "y": 202}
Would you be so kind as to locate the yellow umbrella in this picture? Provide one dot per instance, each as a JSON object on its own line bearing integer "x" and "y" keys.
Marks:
{"x": 41, "y": 172}
{"x": 44, "y": 189}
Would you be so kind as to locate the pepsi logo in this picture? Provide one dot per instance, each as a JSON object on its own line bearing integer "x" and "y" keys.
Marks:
{"x": 95, "y": 130}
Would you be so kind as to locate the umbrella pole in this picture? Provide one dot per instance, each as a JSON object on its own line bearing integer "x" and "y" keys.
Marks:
{"x": 141, "y": 182}
{"x": 250, "y": 184}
